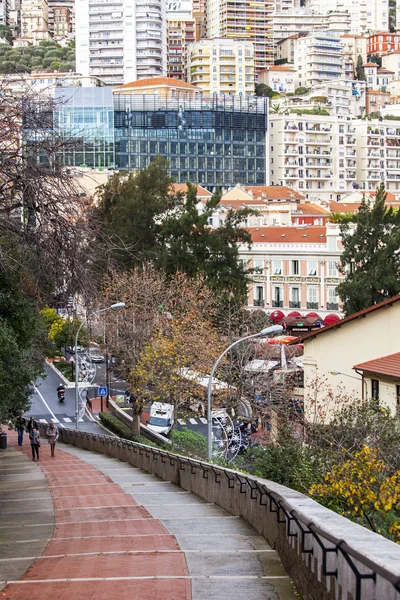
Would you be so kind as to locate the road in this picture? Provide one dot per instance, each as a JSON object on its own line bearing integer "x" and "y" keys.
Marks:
{"x": 46, "y": 406}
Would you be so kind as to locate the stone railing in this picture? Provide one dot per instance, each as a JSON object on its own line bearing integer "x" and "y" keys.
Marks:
{"x": 327, "y": 556}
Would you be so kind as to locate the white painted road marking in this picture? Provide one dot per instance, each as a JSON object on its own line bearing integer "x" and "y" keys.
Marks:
{"x": 203, "y": 420}
{"x": 193, "y": 421}
{"x": 67, "y": 420}
{"x": 43, "y": 421}
{"x": 44, "y": 402}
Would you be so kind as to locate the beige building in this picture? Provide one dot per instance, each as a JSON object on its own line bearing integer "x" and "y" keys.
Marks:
{"x": 332, "y": 354}
{"x": 34, "y": 20}
{"x": 221, "y": 66}
{"x": 381, "y": 379}
{"x": 280, "y": 78}
{"x": 354, "y": 45}
{"x": 181, "y": 31}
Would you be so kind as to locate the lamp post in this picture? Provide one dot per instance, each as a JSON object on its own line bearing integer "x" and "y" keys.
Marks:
{"x": 364, "y": 383}
{"x": 272, "y": 329}
{"x": 115, "y": 306}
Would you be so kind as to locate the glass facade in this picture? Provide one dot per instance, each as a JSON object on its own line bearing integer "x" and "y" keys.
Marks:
{"x": 215, "y": 142}
{"x": 86, "y": 115}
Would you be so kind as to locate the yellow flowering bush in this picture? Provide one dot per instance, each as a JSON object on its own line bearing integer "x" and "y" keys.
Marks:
{"x": 364, "y": 489}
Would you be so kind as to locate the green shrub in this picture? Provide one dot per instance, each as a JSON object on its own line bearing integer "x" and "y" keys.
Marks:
{"x": 112, "y": 423}
{"x": 65, "y": 368}
{"x": 188, "y": 442}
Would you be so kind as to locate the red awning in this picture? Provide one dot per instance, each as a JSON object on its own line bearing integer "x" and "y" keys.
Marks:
{"x": 331, "y": 318}
{"x": 276, "y": 316}
{"x": 294, "y": 313}
{"x": 313, "y": 315}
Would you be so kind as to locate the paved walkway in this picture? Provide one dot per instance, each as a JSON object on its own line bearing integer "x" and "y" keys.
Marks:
{"x": 121, "y": 533}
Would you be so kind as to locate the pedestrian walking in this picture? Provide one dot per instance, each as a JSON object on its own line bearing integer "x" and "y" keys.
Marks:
{"x": 32, "y": 424}
{"x": 20, "y": 424}
{"x": 34, "y": 436}
{"x": 52, "y": 437}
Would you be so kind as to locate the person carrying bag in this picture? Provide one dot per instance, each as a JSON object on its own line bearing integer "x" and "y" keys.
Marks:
{"x": 52, "y": 436}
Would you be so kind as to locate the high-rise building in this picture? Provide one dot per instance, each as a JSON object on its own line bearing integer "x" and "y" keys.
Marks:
{"x": 318, "y": 57}
{"x": 34, "y": 19}
{"x": 62, "y": 18}
{"x": 122, "y": 40}
{"x": 4, "y": 12}
{"x": 244, "y": 20}
{"x": 303, "y": 21}
{"x": 222, "y": 66}
{"x": 181, "y": 31}
{"x": 366, "y": 16}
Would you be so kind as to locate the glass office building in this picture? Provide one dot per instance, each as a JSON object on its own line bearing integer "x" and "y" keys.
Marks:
{"x": 215, "y": 142}
{"x": 86, "y": 116}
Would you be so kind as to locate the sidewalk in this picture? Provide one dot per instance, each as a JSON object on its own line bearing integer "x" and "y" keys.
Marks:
{"x": 122, "y": 533}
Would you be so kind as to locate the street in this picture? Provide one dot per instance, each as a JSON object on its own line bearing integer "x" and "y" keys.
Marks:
{"x": 46, "y": 406}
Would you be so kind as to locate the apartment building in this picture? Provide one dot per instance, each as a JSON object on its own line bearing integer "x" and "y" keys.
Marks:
{"x": 244, "y": 20}
{"x": 301, "y": 155}
{"x": 222, "y": 66}
{"x": 378, "y": 154}
{"x": 121, "y": 41}
{"x": 392, "y": 62}
{"x": 318, "y": 57}
{"x": 61, "y": 18}
{"x": 366, "y": 16}
{"x": 382, "y": 42}
{"x": 34, "y": 20}
{"x": 4, "y": 12}
{"x": 377, "y": 78}
{"x": 354, "y": 46}
{"x": 181, "y": 31}
{"x": 292, "y": 22}
{"x": 296, "y": 268}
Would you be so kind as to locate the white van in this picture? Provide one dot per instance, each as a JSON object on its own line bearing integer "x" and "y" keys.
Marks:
{"x": 161, "y": 418}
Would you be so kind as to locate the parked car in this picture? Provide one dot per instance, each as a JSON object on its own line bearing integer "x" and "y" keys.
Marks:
{"x": 161, "y": 418}
{"x": 71, "y": 349}
{"x": 95, "y": 355}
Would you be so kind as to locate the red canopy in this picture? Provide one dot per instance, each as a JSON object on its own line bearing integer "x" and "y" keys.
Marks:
{"x": 331, "y": 318}
{"x": 281, "y": 339}
{"x": 276, "y": 316}
{"x": 294, "y": 313}
{"x": 313, "y": 314}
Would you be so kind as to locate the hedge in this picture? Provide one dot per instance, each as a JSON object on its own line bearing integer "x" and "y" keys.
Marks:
{"x": 112, "y": 423}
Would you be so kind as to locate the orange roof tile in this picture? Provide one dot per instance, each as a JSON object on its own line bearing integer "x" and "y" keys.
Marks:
{"x": 273, "y": 192}
{"x": 377, "y": 93}
{"x": 182, "y": 187}
{"x": 385, "y": 365}
{"x": 353, "y": 317}
{"x": 311, "y": 209}
{"x": 370, "y": 64}
{"x": 288, "y": 235}
{"x": 279, "y": 68}
{"x": 344, "y": 207}
{"x": 156, "y": 82}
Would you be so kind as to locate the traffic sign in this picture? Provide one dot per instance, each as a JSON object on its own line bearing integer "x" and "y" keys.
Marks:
{"x": 102, "y": 391}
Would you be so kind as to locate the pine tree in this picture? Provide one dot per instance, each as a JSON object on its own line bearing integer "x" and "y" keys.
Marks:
{"x": 371, "y": 255}
{"x": 360, "y": 71}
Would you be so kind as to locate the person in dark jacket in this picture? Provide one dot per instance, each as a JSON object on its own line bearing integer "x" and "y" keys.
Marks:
{"x": 32, "y": 424}
{"x": 34, "y": 436}
{"x": 20, "y": 425}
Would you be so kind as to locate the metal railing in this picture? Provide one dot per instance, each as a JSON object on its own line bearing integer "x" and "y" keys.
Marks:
{"x": 295, "y": 533}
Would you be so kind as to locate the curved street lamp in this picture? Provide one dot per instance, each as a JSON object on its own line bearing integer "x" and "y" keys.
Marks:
{"x": 266, "y": 331}
{"x": 115, "y": 306}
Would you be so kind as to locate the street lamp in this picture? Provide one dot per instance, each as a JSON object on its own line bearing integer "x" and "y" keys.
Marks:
{"x": 352, "y": 377}
{"x": 272, "y": 329}
{"x": 115, "y": 306}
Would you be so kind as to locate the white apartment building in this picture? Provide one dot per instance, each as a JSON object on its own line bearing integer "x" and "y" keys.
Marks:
{"x": 34, "y": 19}
{"x": 121, "y": 41}
{"x": 318, "y": 57}
{"x": 313, "y": 154}
{"x": 291, "y": 22}
{"x": 366, "y": 16}
{"x": 279, "y": 78}
{"x": 391, "y": 61}
{"x": 378, "y": 154}
{"x": 283, "y": 5}
{"x": 221, "y": 66}
{"x": 296, "y": 268}
{"x": 247, "y": 21}
{"x": 4, "y": 12}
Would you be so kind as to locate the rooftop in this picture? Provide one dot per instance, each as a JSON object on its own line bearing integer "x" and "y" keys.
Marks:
{"x": 288, "y": 235}
{"x": 183, "y": 188}
{"x": 273, "y": 192}
{"x": 385, "y": 365}
{"x": 279, "y": 68}
{"x": 157, "y": 82}
{"x": 311, "y": 209}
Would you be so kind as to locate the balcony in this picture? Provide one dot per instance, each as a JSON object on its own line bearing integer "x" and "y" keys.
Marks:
{"x": 312, "y": 305}
{"x": 294, "y": 303}
{"x": 332, "y": 306}
{"x": 258, "y": 302}
{"x": 277, "y": 303}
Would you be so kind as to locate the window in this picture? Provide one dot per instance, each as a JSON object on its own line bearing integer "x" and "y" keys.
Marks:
{"x": 312, "y": 267}
{"x": 375, "y": 389}
{"x": 332, "y": 244}
{"x": 295, "y": 267}
{"x": 312, "y": 297}
{"x": 258, "y": 266}
{"x": 295, "y": 295}
{"x": 332, "y": 268}
{"x": 276, "y": 267}
{"x": 398, "y": 397}
{"x": 332, "y": 297}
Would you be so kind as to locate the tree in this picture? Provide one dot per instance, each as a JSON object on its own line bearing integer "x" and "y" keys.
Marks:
{"x": 146, "y": 221}
{"x": 370, "y": 260}
{"x": 5, "y": 32}
{"x": 302, "y": 91}
{"x": 374, "y": 58}
{"x": 262, "y": 89}
{"x": 360, "y": 71}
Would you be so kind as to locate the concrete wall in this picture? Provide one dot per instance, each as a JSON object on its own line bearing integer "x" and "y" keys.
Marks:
{"x": 316, "y": 545}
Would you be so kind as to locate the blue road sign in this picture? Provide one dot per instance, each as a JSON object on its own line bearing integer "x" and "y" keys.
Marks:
{"x": 102, "y": 391}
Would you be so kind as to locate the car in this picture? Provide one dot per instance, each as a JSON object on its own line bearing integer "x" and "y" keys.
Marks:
{"x": 161, "y": 418}
{"x": 95, "y": 355}
{"x": 71, "y": 349}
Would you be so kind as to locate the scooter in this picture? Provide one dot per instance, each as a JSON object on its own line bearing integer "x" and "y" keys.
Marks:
{"x": 61, "y": 395}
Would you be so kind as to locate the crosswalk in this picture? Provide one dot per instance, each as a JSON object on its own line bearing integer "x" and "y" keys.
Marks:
{"x": 193, "y": 421}
{"x": 60, "y": 420}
